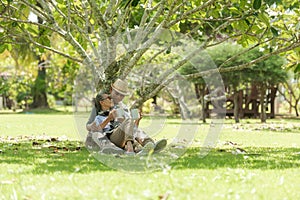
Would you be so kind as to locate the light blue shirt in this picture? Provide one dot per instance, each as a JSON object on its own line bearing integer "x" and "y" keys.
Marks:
{"x": 99, "y": 119}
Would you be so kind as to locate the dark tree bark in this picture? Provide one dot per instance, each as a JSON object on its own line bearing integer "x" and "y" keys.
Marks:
{"x": 272, "y": 100}
{"x": 236, "y": 106}
{"x": 39, "y": 89}
{"x": 263, "y": 115}
{"x": 200, "y": 90}
{"x": 296, "y": 108}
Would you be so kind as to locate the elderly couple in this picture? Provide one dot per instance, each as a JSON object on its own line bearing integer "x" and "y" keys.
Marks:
{"x": 113, "y": 129}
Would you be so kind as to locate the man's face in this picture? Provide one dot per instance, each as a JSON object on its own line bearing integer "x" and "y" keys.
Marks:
{"x": 116, "y": 96}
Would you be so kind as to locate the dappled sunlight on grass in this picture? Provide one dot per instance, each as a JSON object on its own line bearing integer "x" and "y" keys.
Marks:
{"x": 252, "y": 158}
{"x": 29, "y": 168}
{"x": 67, "y": 156}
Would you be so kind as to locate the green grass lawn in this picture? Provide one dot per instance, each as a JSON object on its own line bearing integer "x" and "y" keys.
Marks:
{"x": 42, "y": 157}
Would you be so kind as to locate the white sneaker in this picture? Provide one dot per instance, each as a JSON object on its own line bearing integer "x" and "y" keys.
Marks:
{"x": 112, "y": 150}
{"x": 129, "y": 153}
{"x": 147, "y": 149}
{"x": 160, "y": 145}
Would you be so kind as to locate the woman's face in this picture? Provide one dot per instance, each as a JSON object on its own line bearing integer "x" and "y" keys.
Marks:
{"x": 106, "y": 102}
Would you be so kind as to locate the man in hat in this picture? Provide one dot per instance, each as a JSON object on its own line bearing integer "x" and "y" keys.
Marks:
{"x": 119, "y": 89}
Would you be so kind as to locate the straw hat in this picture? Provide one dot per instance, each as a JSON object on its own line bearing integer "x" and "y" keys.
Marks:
{"x": 121, "y": 87}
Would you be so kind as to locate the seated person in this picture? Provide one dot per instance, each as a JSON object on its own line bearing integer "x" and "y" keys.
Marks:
{"x": 118, "y": 91}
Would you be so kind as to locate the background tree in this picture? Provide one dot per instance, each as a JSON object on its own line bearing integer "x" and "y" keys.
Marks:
{"x": 234, "y": 81}
{"x": 20, "y": 78}
{"x": 291, "y": 87}
{"x": 291, "y": 92}
{"x": 267, "y": 74}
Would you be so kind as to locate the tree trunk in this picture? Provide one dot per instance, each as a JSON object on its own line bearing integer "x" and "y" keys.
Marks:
{"x": 39, "y": 90}
{"x": 296, "y": 108}
{"x": 236, "y": 106}
{"x": 263, "y": 116}
{"x": 200, "y": 96}
{"x": 290, "y": 100}
{"x": 272, "y": 101}
{"x": 203, "y": 110}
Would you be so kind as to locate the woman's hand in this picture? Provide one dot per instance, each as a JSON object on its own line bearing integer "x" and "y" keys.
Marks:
{"x": 93, "y": 127}
{"x": 112, "y": 115}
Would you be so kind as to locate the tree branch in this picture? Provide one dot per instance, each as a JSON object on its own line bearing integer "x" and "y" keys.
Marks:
{"x": 190, "y": 12}
{"x": 242, "y": 52}
{"x": 35, "y": 9}
{"x": 99, "y": 18}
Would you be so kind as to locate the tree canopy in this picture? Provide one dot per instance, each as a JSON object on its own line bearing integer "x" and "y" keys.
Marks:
{"x": 113, "y": 37}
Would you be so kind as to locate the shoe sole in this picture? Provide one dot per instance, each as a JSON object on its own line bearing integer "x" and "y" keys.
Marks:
{"x": 160, "y": 145}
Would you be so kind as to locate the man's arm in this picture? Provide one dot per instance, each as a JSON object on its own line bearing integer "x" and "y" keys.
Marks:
{"x": 137, "y": 121}
{"x": 91, "y": 125}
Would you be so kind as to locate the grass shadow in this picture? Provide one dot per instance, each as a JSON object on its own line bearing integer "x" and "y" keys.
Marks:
{"x": 254, "y": 158}
{"x": 37, "y": 111}
{"x": 66, "y": 156}
{"x": 45, "y": 111}
{"x": 70, "y": 156}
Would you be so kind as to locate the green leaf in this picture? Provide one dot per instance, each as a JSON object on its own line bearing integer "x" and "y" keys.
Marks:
{"x": 297, "y": 68}
{"x": 271, "y": 2}
{"x": 60, "y": 1}
{"x": 41, "y": 50}
{"x": 297, "y": 26}
{"x": 235, "y": 10}
{"x": 258, "y": 30}
{"x": 264, "y": 18}
{"x": 9, "y": 47}
{"x": 243, "y": 41}
{"x": 14, "y": 24}
{"x": 44, "y": 40}
{"x": 47, "y": 42}
{"x": 256, "y": 4}
{"x": 274, "y": 31}
{"x": 3, "y": 47}
{"x": 32, "y": 30}
{"x": 243, "y": 3}
{"x": 240, "y": 25}
{"x": 243, "y": 25}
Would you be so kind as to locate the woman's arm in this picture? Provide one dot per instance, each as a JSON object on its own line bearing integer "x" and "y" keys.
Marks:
{"x": 100, "y": 122}
{"x": 106, "y": 121}
{"x": 93, "y": 127}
